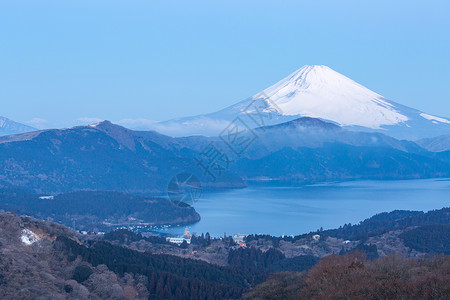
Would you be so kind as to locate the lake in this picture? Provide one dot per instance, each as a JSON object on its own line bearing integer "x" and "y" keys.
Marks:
{"x": 278, "y": 210}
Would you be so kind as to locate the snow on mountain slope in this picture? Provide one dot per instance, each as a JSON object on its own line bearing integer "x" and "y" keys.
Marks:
{"x": 318, "y": 92}
{"x": 435, "y": 119}
{"x": 28, "y": 237}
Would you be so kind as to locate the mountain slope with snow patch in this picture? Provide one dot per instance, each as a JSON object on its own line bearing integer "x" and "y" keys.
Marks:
{"x": 8, "y": 127}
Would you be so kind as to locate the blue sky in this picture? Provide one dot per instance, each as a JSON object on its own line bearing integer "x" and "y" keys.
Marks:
{"x": 65, "y": 60}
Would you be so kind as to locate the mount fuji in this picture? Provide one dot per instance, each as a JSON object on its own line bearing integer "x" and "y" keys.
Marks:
{"x": 317, "y": 92}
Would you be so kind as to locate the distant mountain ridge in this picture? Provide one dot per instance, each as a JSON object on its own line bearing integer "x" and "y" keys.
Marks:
{"x": 321, "y": 93}
{"x": 103, "y": 156}
{"x": 8, "y": 127}
{"x": 436, "y": 144}
{"x": 109, "y": 157}
{"x": 304, "y": 122}
{"x": 314, "y": 133}
{"x": 311, "y": 150}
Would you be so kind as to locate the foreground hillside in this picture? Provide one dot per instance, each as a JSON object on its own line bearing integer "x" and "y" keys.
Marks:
{"x": 32, "y": 266}
{"x": 44, "y": 260}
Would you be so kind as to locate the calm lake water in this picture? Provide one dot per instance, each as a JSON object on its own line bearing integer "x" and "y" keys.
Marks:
{"x": 278, "y": 210}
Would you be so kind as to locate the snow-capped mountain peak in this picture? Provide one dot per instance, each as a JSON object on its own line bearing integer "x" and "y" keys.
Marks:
{"x": 317, "y": 91}
{"x": 320, "y": 92}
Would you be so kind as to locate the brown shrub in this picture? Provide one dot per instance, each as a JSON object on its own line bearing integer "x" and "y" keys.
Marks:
{"x": 353, "y": 277}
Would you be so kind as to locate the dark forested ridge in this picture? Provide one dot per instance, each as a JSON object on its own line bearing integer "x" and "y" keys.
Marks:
{"x": 170, "y": 277}
{"x": 376, "y": 225}
{"x": 395, "y": 220}
{"x": 124, "y": 236}
{"x": 262, "y": 263}
{"x": 88, "y": 210}
{"x": 429, "y": 238}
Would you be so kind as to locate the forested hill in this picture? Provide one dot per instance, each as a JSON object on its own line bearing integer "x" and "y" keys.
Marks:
{"x": 97, "y": 211}
{"x": 394, "y": 220}
{"x": 377, "y": 225}
{"x": 99, "y": 157}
